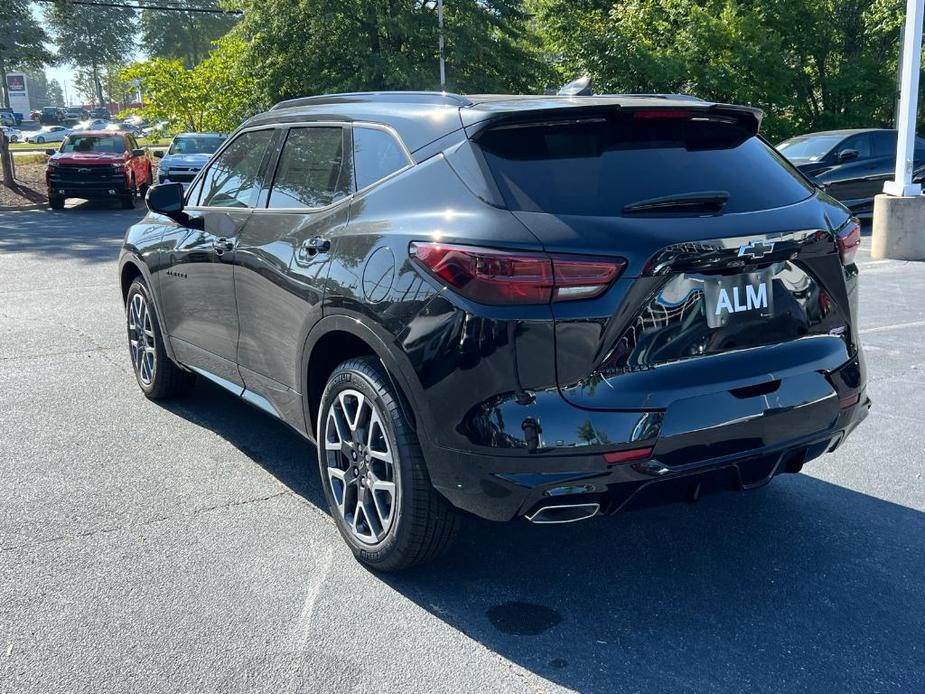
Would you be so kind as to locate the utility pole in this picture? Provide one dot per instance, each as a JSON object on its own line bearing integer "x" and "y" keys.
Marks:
{"x": 442, "y": 57}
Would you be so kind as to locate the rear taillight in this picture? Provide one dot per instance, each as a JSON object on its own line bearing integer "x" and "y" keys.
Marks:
{"x": 849, "y": 240}
{"x": 496, "y": 277}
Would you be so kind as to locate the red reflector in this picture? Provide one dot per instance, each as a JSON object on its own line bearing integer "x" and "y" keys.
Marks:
{"x": 627, "y": 456}
{"x": 661, "y": 113}
{"x": 849, "y": 240}
{"x": 496, "y": 277}
{"x": 850, "y": 401}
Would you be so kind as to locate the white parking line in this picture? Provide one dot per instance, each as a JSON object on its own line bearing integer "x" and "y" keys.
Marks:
{"x": 894, "y": 326}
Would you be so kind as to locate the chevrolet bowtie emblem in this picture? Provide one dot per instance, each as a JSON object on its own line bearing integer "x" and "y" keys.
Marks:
{"x": 755, "y": 249}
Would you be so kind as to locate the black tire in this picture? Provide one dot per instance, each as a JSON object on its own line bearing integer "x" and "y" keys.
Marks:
{"x": 56, "y": 202}
{"x": 423, "y": 524}
{"x": 40, "y": 140}
{"x": 164, "y": 379}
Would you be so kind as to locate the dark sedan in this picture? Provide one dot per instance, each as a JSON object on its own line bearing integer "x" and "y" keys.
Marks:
{"x": 850, "y": 165}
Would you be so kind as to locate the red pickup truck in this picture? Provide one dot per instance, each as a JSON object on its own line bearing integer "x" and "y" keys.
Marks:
{"x": 98, "y": 164}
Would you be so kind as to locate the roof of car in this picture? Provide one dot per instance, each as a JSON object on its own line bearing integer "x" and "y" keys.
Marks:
{"x": 194, "y": 135}
{"x": 101, "y": 133}
{"x": 844, "y": 132}
{"x": 423, "y": 117}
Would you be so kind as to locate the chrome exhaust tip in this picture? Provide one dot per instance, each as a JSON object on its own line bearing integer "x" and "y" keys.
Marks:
{"x": 563, "y": 513}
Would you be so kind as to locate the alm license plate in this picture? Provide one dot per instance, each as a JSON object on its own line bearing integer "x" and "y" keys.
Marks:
{"x": 733, "y": 298}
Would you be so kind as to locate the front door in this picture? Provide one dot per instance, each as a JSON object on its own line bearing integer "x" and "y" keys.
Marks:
{"x": 197, "y": 278}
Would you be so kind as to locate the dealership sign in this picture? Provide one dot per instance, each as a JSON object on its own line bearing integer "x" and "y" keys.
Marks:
{"x": 18, "y": 90}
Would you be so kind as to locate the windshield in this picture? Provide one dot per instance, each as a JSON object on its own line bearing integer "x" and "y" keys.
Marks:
{"x": 82, "y": 143}
{"x": 808, "y": 148}
{"x": 195, "y": 145}
{"x": 598, "y": 166}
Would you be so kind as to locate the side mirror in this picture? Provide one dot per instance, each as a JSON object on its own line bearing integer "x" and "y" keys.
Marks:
{"x": 51, "y": 151}
{"x": 165, "y": 199}
{"x": 138, "y": 152}
{"x": 847, "y": 155}
{"x": 159, "y": 153}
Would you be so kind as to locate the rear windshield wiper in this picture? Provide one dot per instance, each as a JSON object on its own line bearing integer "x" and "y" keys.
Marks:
{"x": 706, "y": 200}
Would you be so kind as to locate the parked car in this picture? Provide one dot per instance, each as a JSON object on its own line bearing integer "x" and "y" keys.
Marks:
{"x": 98, "y": 164}
{"x": 546, "y": 308}
{"x": 51, "y": 115}
{"x": 48, "y": 133}
{"x": 186, "y": 155}
{"x": 74, "y": 114}
{"x": 155, "y": 129}
{"x": 850, "y": 165}
{"x": 12, "y": 134}
{"x": 95, "y": 124}
{"x": 100, "y": 113}
{"x": 8, "y": 119}
{"x": 122, "y": 127}
{"x": 16, "y": 116}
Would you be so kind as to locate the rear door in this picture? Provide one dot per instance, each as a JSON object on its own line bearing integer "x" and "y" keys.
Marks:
{"x": 196, "y": 279}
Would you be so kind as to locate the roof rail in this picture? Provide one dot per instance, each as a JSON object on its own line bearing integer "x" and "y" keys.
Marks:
{"x": 435, "y": 98}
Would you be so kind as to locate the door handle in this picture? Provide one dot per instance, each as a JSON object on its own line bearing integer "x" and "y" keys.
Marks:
{"x": 222, "y": 245}
{"x": 314, "y": 246}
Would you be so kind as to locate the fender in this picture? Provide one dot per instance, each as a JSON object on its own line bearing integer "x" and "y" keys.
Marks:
{"x": 398, "y": 367}
{"x": 131, "y": 257}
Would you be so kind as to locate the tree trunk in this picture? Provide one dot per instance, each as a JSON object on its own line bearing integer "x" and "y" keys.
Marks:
{"x": 6, "y": 160}
{"x": 3, "y": 87}
{"x": 97, "y": 85}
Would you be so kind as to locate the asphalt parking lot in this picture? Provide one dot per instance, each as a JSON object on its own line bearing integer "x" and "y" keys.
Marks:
{"x": 186, "y": 548}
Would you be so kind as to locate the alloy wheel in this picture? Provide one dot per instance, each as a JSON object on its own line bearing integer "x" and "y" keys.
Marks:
{"x": 361, "y": 473}
{"x": 141, "y": 339}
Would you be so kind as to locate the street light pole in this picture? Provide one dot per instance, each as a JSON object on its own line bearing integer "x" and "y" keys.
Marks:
{"x": 443, "y": 59}
{"x": 910, "y": 58}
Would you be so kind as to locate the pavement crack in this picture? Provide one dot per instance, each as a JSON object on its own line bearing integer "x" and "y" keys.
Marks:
{"x": 141, "y": 524}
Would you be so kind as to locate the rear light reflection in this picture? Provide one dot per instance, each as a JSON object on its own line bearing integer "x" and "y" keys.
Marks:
{"x": 628, "y": 456}
{"x": 496, "y": 277}
{"x": 849, "y": 240}
{"x": 850, "y": 401}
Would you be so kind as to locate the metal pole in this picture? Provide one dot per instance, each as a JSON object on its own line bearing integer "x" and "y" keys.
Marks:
{"x": 908, "y": 102}
{"x": 442, "y": 57}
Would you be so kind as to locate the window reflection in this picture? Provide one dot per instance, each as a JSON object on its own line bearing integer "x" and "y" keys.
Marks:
{"x": 234, "y": 179}
{"x": 312, "y": 171}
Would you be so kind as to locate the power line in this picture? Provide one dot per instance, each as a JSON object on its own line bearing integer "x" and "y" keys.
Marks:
{"x": 159, "y": 8}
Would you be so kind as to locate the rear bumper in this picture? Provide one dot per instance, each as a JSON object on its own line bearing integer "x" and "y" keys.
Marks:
{"x": 738, "y": 451}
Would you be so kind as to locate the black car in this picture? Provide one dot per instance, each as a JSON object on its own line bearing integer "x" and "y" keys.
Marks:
{"x": 519, "y": 307}
{"x": 850, "y": 165}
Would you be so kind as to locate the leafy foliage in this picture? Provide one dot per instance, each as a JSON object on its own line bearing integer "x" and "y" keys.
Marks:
{"x": 216, "y": 95}
{"x": 811, "y": 64}
{"x": 21, "y": 41}
{"x": 318, "y": 46}
{"x": 91, "y": 37}
{"x": 184, "y": 35}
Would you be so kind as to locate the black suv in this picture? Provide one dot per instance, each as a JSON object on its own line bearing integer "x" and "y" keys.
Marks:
{"x": 520, "y": 307}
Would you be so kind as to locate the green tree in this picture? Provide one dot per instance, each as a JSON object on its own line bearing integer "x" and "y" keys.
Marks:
{"x": 811, "y": 64}
{"x": 55, "y": 93}
{"x": 108, "y": 82}
{"x": 216, "y": 95}
{"x": 92, "y": 37}
{"x": 318, "y": 46}
{"x": 22, "y": 42}
{"x": 184, "y": 35}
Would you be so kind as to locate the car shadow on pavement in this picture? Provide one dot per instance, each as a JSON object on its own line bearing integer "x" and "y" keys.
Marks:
{"x": 89, "y": 231}
{"x": 800, "y": 586}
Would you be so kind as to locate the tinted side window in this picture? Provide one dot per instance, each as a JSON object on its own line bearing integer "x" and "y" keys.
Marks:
{"x": 859, "y": 142}
{"x": 376, "y": 154}
{"x": 234, "y": 179}
{"x": 311, "y": 171}
{"x": 884, "y": 144}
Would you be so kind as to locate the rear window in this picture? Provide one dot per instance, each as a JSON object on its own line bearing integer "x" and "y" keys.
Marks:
{"x": 598, "y": 166}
